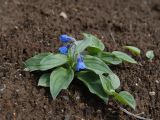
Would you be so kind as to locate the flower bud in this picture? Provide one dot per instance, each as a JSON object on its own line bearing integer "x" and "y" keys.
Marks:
{"x": 80, "y": 64}
{"x": 63, "y": 50}
{"x": 65, "y": 38}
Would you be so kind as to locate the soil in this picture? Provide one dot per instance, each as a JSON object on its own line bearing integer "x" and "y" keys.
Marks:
{"x": 28, "y": 27}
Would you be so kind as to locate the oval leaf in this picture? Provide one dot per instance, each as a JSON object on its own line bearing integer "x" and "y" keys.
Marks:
{"x": 124, "y": 56}
{"x": 82, "y": 45}
{"x": 114, "y": 80}
{"x": 44, "y": 80}
{"x": 60, "y": 79}
{"x": 92, "y": 81}
{"x": 110, "y": 58}
{"x": 95, "y": 64}
{"x": 95, "y": 41}
{"x": 52, "y": 61}
{"x": 126, "y": 98}
{"x": 93, "y": 50}
{"x": 107, "y": 85}
{"x": 133, "y": 49}
{"x": 33, "y": 63}
{"x": 150, "y": 54}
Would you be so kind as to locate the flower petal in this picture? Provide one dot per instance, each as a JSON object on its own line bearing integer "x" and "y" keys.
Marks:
{"x": 63, "y": 50}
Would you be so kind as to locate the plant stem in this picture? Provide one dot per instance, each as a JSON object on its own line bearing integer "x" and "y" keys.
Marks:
{"x": 131, "y": 114}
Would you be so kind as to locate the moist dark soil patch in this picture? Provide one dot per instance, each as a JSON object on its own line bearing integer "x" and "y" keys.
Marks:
{"x": 28, "y": 27}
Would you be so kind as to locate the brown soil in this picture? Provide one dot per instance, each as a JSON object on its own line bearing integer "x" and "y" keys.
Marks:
{"x": 28, "y": 27}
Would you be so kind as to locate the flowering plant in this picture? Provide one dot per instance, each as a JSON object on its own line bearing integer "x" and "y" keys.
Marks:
{"x": 86, "y": 60}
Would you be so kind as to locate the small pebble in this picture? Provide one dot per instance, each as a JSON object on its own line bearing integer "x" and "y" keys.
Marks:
{"x": 152, "y": 93}
{"x": 26, "y": 69}
{"x": 139, "y": 79}
{"x": 15, "y": 103}
{"x": 44, "y": 106}
{"x": 62, "y": 110}
{"x": 2, "y": 87}
{"x": 6, "y": 3}
{"x": 14, "y": 114}
{"x": 64, "y": 15}
{"x": 16, "y": 27}
{"x": 136, "y": 84}
{"x": 99, "y": 111}
{"x": 157, "y": 81}
{"x": 65, "y": 98}
{"x": 17, "y": 90}
{"x": 50, "y": 112}
{"x": 110, "y": 109}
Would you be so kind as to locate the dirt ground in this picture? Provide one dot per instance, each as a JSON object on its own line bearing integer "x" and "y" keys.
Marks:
{"x": 28, "y": 27}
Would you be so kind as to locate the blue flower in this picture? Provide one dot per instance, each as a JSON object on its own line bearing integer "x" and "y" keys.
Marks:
{"x": 80, "y": 64}
{"x": 65, "y": 38}
{"x": 63, "y": 50}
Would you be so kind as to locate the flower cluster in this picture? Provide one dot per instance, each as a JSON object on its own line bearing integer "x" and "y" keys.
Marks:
{"x": 87, "y": 54}
{"x": 64, "y": 50}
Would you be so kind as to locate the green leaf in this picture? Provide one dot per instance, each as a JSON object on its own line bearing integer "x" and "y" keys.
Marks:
{"x": 150, "y": 54}
{"x": 133, "y": 49}
{"x": 44, "y": 80}
{"x": 110, "y": 58}
{"x": 82, "y": 45}
{"x": 93, "y": 50}
{"x": 95, "y": 64}
{"x": 107, "y": 85}
{"x": 114, "y": 80}
{"x": 52, "y": 61}
{"x": 89, "y": 41}
{"x": 126, "y": 98}
{"x": 60, "y": 79}
{"x": 97, "y": 43}
{"x": 33, "y": 63}
{"x": 92, "y": 81}
{"x": 124, "y": 56}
